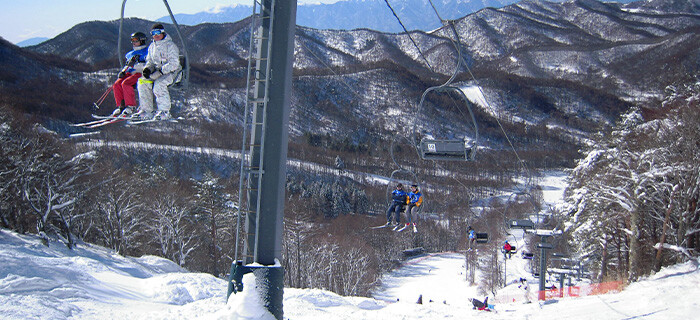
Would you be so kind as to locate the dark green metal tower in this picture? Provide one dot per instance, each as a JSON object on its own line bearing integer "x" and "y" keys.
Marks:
{"x": 263, "y": 170}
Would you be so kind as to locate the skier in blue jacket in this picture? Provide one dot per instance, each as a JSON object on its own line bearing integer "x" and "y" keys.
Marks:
{"x": 124, "y": 86}
{"x": 399, "y": 198}
{"x": 415, "y": 199}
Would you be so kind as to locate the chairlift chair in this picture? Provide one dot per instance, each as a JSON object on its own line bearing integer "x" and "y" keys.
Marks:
{"x": 433, "y": 149}
{"x": 523, "y": 224}
{"x": 482, "y": 237}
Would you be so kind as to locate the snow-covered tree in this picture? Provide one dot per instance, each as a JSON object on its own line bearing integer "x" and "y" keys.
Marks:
{"x": 214, "y": 218}
{"x": 620, "y": 202}
{"x": 171, "y": 228}
{"x": 46, "y": 178}
{"x": 118, "y": 216}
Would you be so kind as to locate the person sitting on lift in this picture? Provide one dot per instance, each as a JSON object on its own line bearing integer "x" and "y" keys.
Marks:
{"x": 472, "y": 236}
{"x": 507, "y": 248}
{"x": 162, "y": 67}
{"x": 415, "y": 199}
{"x": 124, "y": 86}
{"x": 399, "y": 198}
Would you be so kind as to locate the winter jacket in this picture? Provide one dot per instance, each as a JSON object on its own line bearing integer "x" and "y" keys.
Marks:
{"x": 399, "y": 196}
{"x": 140, "y": 54}
{"x": 163, "y": 55}
{"x": 415, "y": 198}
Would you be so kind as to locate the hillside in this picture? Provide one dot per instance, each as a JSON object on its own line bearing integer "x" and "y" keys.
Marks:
{"x": 88, "y": 282}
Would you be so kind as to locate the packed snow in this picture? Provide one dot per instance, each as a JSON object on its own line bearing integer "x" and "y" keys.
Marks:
{"x": 91, "y": 282}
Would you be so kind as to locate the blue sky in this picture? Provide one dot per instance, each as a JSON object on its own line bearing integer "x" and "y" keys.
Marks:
{"x": 24, "y": 19}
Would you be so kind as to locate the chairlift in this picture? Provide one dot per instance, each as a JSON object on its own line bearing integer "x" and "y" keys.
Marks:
{"x": 457, "y": 150}
{"x": 482, "y": 237}
{"x": 449, "y": 149}
{"x": 522, "y": 224}
{"x": 394, "y": 179}
{"x": 183, "y": 76}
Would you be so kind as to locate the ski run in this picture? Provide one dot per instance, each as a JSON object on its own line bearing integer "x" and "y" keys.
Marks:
{"x": 91, "y": 282}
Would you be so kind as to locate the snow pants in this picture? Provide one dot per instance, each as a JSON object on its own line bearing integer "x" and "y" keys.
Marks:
{"x": 395, "y": 208}
{"x": 158, "y": 88}
{"x": 409, "y": 212}
{"x": 124, "y": 89}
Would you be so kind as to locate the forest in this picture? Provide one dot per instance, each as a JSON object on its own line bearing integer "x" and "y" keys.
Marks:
{"x": 632, "y": 203}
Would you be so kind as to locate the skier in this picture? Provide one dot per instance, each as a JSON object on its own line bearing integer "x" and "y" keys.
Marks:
{"x": 399, "y": 198}
{"x": 129, "y": 75}
{"x": 415, "y": 199}
{"x": 472, "y": 236}
{"x": 507, "y": 249}
{"x": 162, "y": 66}
{"x": 526, "y": 290}
{"x": 480, "y": 305}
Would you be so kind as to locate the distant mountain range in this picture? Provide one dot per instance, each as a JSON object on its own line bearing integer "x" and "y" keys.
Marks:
{"x": 31, "y": 42}
{"x": 362, "y": 14}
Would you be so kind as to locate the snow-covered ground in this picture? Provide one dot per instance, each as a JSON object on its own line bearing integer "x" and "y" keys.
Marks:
{"x": 91, "y": 282}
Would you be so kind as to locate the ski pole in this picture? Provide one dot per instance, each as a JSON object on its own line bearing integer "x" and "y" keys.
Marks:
{"x": 102, "y": 98}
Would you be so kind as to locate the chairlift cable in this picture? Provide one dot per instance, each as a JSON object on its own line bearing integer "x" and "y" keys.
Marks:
{"x": 409, "y": 35}
{"x": 353, "y": 91}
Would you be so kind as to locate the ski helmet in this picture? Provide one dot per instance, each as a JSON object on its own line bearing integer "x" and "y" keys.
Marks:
{"x": 140, "y": 36}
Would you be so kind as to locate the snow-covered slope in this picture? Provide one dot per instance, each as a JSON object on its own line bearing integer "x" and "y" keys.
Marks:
{"x": 90, "y": 282}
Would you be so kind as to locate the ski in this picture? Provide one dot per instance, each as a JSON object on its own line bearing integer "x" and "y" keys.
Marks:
{"x": 103, "y": 117}
{"x": 415, "y": 229}
{"x": 89, "y": 123}
{"x": 382, "y": 226}
{"x": 136, "y": 122}
{"x": 84, "y": 134}
{"x": 109, "y": 121}
{"x": 397, "y": 229}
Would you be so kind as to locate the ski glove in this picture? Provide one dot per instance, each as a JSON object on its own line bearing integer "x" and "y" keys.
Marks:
{"x": 147, "y": 72}
{"x": 133, "y": 60}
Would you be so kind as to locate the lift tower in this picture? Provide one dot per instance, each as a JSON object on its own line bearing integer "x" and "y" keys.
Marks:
{"x": 263, "y": 169}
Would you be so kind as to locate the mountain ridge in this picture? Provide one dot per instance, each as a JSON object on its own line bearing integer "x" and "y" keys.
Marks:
{"x": 538, "y": 64}
{"x": 352, "y": 14}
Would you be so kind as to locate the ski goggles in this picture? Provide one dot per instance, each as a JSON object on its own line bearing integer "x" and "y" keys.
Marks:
{"x": 156, "y": 32}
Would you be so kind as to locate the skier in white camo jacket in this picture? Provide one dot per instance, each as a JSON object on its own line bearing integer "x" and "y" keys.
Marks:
{"x": 162, "y": 66}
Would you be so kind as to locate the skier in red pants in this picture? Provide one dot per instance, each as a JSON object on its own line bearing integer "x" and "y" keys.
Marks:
{"x": 124, "y": 86}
